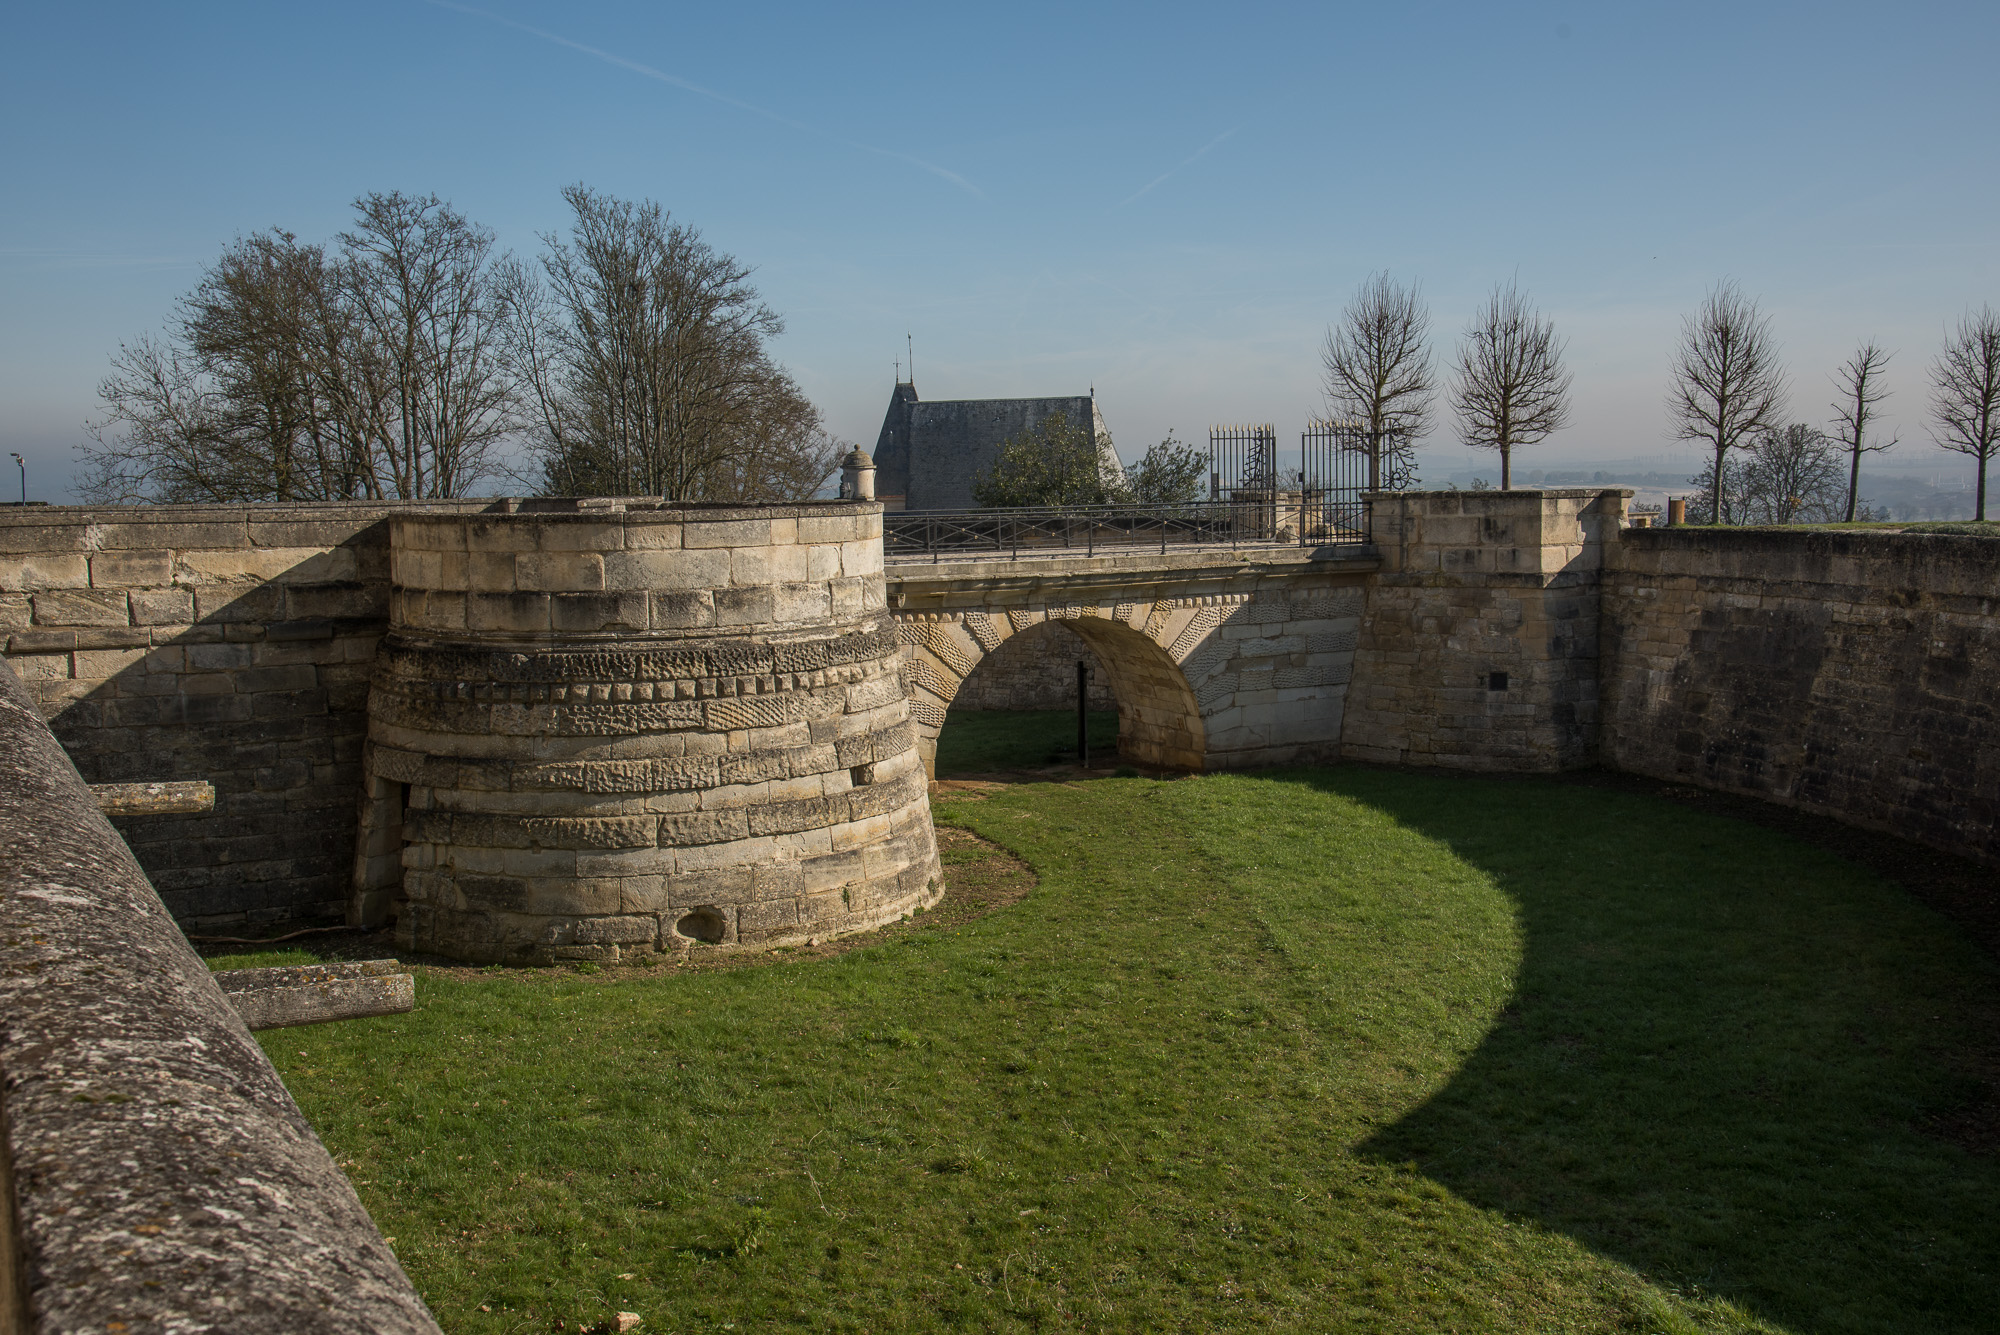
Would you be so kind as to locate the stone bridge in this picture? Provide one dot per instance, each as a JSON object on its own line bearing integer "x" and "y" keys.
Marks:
{"x": 1219, "y": 658}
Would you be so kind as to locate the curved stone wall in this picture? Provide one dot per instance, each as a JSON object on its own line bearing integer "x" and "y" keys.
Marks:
{"x": 626, "y": 730}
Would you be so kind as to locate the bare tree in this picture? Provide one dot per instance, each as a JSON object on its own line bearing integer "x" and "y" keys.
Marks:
{"x": 1965, "y": 393}
{"x": 293, "y": 374}
{"x": 1510, "y": 389}
{"x": 780, "y": 451}
{"x": 158, "y": 437}
{"x": 425, "y": 290}
{"x": 655, "y": 366}
{"x": 1732, "y": 495}
{"x": 1378, "y": 368}
{"x": 234, "y": 403}
{"x": 1859, "y": 381}
{"x": 1791, "y": 476}
{"x": 1727, "y": 383}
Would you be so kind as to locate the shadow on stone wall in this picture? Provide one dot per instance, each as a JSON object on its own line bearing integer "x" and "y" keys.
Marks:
{"x": 246, "y": 667}
{"x": 1035, "y": 669}
{"x": 1724, "y": 1074}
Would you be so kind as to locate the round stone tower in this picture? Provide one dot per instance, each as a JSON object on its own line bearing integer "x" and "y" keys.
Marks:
{"x": 625, "y": 727}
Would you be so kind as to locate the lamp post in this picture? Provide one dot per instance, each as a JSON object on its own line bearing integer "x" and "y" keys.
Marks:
{"x": 23, "y": 463}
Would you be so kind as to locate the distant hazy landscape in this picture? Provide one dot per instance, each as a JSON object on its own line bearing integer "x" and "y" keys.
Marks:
{"x": 1912, "y": 492}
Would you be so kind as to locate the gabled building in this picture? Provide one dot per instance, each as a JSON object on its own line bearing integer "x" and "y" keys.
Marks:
{"x": 929, "y": 454}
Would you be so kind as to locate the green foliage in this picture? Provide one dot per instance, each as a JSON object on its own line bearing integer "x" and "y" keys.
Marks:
{"x": 1172, "y": 472}
{"x": 1313, "y": 1050}
{"x": 1054, "y": 463}
{"x": 1970, "y": 528}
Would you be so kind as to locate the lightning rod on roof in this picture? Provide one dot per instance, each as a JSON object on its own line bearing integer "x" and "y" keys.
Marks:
{"x": 911, "y": 348}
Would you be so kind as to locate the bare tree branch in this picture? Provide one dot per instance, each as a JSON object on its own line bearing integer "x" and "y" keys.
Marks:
{"x": 1727, "y": 383}
{"x": 1790, "y": 477}
{"x": 1965, "y": 392}
{"x": 1859, "y": 381}
{"x": 1378, "y": 368}
{"x": 424, "y": 289}
{"x": 1510, "y": 388}
{"x": 659, "y": 355}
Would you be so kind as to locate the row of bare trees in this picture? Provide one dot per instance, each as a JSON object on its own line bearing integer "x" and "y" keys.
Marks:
{"x": 1508, "y": 386}
{"x": 1728, "y": 392}
{"x": 409, "y": 359}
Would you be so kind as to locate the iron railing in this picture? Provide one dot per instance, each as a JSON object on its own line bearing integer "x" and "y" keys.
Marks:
{"x": 1281, "y": 518}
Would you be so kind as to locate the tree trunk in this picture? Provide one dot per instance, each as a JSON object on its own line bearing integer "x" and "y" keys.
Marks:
{"x": 1506, "y": 469}
{"x": 1854, "y": 479}
{"x": 1715, "y": 488}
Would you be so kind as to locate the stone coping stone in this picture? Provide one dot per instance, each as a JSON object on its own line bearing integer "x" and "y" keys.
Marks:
{"x": 278, "y": 998}
{"x": 162, "y": 1177}
{"x": 1071, "y": 566}
{"x": 1537, "y": 493}
{"x": 154, "y": 799}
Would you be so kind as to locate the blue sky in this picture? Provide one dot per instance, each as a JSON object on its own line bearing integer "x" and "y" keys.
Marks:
{"x": 1166, "y": 202}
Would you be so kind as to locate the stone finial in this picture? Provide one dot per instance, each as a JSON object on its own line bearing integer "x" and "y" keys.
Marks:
{"x": 857, "y": 476}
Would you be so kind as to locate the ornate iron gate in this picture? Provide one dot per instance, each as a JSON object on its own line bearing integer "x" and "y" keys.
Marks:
{"x": 1243, "y": 471}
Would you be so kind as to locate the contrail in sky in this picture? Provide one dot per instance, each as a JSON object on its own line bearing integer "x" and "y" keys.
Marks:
{"x": 686, "y": 85}
{"x": 1171, "y": 170}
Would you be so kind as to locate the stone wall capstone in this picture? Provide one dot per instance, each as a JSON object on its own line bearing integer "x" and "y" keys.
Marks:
{"x": 161, "y": 1177}
{"x": 622, "y": 732}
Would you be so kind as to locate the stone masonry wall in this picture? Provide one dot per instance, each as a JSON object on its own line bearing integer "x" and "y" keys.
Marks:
{"x": 1035, "y": 670}
{"x": 1851, "y": 673}
{"x": 1479, "y": 646}
{"x": 621, "y": 733}
{"x": 230, "y": 643}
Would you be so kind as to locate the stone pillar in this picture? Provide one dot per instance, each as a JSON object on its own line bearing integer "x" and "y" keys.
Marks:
{"x": 1479, "y": 646}
{"x": 857, "y": 476}
{"x": 624, "y": 730}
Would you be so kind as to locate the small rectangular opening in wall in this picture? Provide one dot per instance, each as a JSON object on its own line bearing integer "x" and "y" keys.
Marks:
{"x": 861, "y": 775}
{"x": 1496, "y": 681}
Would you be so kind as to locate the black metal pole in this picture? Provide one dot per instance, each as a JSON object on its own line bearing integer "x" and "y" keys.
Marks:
{"x": 1082, "y": 714}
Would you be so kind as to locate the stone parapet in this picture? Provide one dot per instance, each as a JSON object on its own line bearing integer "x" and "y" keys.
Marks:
{"x": 620, "y": 733}
{"x": 161, "y": 1176}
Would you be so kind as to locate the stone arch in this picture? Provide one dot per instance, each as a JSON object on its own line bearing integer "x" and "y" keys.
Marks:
{"x": 1141, "y": 648}
{"x": 1035, "y": 668}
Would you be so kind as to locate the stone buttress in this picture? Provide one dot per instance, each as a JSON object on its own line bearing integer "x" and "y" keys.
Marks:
{"x": 617, "y": 731}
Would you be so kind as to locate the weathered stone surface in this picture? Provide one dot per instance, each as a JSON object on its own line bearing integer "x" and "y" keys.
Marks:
{"x": 162, "y": 1177}
{"x": 1178, "y": 639}
{"x": 1479, "y": 645}
{"x": 1855, "y": 674}
{"x": 531, "y": 749}
{"x": 316, "y": 993}
{"x": 154, "y": 799}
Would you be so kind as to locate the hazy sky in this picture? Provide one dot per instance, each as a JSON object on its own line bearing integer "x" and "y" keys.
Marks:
{"x": 1168, "y": 203}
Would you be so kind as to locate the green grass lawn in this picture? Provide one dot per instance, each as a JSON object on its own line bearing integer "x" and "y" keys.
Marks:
{"x": 1331, "y": 1049}
{"x": 994, "y": 741}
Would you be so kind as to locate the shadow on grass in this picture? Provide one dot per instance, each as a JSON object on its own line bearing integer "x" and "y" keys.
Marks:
{"x": 978, "y": 741}
{"x": 1733, "y": 1062}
